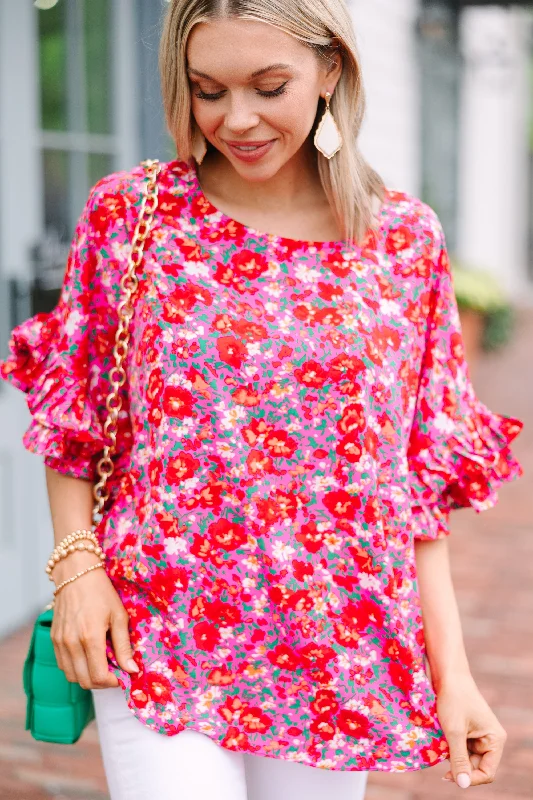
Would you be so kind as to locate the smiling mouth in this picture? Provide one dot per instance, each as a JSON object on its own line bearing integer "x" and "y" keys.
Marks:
{"x": 248, "y": 147}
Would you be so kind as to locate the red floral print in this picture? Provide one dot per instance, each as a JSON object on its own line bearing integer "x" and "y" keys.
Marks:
{"x": 178, "y": 402}
{"x": 231, "y": 351}
{"x": 227, "y": 535}
{"x": 181, "y": 468}
{"x": 295, "y": 415}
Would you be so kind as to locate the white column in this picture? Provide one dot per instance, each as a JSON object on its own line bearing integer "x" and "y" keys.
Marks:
{"x": 125, "y": 85}
{"x": 493, "y": 158}
{"x": 20, "y": 165}
{"x": 390, "y": 138}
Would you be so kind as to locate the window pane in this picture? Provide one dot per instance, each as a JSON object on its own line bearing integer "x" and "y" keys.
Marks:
{"x": 56, "y": 192}
{"x": 100, "y": 164}
{"x": 97, "y": 23}
{"x": 50, "y": 252}
{"x": 53, "y": 67}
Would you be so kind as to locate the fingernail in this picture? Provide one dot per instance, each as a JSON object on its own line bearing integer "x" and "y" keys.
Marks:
{"x": 463, "y": 780}
{"x": 132, "y": 666}
{"x": 444, "y": 778}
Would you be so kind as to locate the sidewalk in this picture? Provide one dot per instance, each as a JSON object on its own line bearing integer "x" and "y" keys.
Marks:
{"x": 492, "y": 558}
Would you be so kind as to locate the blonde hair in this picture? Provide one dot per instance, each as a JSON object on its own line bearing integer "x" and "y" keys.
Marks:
{"x": 350, "y": 184}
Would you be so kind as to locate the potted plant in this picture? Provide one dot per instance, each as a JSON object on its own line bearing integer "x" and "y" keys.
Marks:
{"x": 485, "y": 313}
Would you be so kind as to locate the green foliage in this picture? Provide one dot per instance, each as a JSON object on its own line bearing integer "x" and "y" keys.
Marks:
{"x": 498, "y": 328}
{"x": 477, "y": 289}
{"x": 480, "y": 291}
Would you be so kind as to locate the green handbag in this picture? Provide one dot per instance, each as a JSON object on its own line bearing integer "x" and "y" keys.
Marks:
{"x": 57, "y": 710}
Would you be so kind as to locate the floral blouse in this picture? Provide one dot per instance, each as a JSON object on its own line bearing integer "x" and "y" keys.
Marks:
{"x": 296, "y": 414}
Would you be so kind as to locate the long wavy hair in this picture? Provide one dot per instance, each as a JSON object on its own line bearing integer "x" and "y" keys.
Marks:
{"x": 349, "y": 182}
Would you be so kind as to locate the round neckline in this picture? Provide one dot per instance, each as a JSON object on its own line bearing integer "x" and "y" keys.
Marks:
{"x": 257, "y": 234}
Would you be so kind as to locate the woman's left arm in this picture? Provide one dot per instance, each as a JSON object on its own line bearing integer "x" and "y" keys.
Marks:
{"x": 474, "y": 735}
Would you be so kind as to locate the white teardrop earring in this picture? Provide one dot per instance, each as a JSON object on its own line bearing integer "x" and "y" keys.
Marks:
{"x": 328, "y": 139}
{"x": 199, "y": 146}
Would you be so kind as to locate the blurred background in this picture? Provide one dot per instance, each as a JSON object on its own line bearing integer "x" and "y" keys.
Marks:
{"x": 450, "y": 119}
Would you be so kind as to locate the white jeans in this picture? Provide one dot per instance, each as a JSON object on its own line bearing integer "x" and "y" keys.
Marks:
{"x": 141, "y": 764}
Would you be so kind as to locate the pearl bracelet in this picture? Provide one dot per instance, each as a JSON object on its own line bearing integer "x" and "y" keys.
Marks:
{"x": 80, "y": 546}
{"x": 68, "y": 545}
{"x": 80, "y": 533}
{"x": 76, "y": 576}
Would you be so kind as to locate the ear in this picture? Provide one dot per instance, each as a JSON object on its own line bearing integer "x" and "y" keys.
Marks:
{"x": 334, "y": 58}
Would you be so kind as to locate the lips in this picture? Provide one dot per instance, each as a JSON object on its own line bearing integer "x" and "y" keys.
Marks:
{"x": 249, "y": 144}
{"x": 250, "y": 151}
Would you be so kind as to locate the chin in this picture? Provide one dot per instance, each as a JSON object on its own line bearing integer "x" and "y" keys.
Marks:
{"x": 258, "y": 172}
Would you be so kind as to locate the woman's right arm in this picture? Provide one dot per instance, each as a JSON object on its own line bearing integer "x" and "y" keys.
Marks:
{"x": 61, "y": 360}
{"x": 86, "y": 609}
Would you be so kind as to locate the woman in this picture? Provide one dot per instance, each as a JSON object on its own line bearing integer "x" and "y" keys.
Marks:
{"x": 299, "y": 424}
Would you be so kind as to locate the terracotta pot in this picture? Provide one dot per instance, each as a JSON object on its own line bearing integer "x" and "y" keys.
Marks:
{"x": 472, "y": 328}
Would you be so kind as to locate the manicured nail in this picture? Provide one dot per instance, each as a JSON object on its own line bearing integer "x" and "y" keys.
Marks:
{"x": 444, "y": 778}
{"x": 463, "y": 780}
{"x": 132, "y": 666}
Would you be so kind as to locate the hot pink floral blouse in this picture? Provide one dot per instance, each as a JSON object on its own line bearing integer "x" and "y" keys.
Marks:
{"x": 296, "y": 415}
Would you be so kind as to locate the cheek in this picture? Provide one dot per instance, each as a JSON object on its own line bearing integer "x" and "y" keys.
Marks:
{"x": 207, "y": 117}
{"x": 294, "y": 117}
{"x": 299, "y": 111}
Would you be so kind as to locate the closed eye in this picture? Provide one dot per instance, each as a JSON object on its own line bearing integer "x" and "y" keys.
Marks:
{"x": 217, "y": 95}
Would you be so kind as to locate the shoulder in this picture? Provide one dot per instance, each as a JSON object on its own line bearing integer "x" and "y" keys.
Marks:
{"x": 127, "y": 184}
{"x": 407, "y": 210}
{"x": 403, "y": 208}
{"x": 414, "y": 236}
{"x": 112, "y": 208}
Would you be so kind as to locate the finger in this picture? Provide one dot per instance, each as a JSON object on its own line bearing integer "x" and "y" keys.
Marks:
{"x": 57, "y": 643}
{"x": 489, "y": 741}
{"x": 120, "y": 636}
{"x": 79, "y": 662}
{"x": 483, "y": 771}
{"x": 489, "y": 760}
{"x": 65, "y": 663}
{"x": 94, "y": 645}
{"x": 474, "y": 760}
{"x": 459, "y": 758}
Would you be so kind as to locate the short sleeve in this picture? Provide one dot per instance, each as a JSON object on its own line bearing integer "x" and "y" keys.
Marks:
{"x": 61, "y": 361}
{"x": 459, "y": 451}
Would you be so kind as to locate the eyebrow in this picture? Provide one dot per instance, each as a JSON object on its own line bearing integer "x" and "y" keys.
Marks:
{"x": 256, "y": 74}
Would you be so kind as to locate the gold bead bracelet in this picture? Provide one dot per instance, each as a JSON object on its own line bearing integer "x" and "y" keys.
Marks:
{"x": 69, "y": 545}
{"x": 76, "y": 576}
{"x": 79, "y": 546}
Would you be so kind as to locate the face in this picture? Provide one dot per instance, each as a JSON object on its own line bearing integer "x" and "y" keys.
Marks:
{"x": 255, "y": 91}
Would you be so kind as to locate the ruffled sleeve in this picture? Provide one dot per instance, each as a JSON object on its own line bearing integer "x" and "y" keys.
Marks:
{"x": 459, "y": 451}
{"x": 61, "y": 361}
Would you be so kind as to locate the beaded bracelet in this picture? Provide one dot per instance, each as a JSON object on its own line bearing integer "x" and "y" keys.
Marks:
{"x": 69, "y": 540}
{"x": 80, "y": 533}
{"x": 72, "y": 538}
{"x": 60, "y": 553}
{"x": 76, "y": 576}
{"x": 67, "y": 546}
{"x": 80, "y": 546}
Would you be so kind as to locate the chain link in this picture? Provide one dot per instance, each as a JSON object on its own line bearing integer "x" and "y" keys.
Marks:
{"x": 129, "y": 284}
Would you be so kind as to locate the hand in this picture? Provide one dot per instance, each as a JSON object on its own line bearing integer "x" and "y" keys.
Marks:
{"x": 84, "y": 611}
{"x": 474, "y": 735}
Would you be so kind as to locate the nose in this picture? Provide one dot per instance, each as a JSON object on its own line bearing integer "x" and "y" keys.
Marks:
{"x": 240, "y": 116}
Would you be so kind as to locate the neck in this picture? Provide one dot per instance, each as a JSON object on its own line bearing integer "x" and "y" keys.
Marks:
{"x": 295, "y": 182}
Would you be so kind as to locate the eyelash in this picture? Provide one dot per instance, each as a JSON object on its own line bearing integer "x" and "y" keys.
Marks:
{"x": 274, "y": 93}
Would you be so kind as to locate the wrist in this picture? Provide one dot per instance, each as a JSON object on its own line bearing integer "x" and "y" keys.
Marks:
{"x": 73, "y": 563}
{"x": 450, "y": 676}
